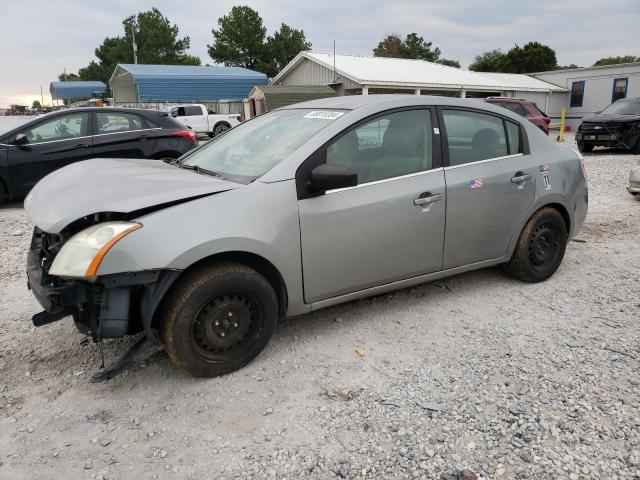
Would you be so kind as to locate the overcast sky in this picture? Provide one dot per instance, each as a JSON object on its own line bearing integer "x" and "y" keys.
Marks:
{"x": 39, "y": 39}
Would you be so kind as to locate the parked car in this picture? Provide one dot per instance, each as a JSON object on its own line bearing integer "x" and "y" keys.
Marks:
{"x": 304, "y": 207}
{"x": 34, "y": 149}
{"x": 524, "y": 108}
{"x": 634, "y": 182}
{"x": 617, "y": 126}
{"x": 200, "y": 120}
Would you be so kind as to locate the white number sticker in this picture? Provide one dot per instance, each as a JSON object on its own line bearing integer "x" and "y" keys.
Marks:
{"x": 324, "y": 114}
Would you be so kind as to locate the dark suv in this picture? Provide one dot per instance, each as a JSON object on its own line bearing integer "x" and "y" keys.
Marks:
{"x": 617, "y": 126}
{"x": 524, "y": 108}
{"x": 37, "y": 148}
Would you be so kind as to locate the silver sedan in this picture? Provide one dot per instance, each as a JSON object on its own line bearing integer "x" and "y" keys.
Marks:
{"x": 304, "y": 207}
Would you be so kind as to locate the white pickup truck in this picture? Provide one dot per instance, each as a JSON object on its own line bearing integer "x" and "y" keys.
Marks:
{"x": 200, "y": 120}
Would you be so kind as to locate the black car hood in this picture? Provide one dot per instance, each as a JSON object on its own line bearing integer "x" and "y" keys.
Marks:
{"x": 113, "y": 185}
{"x": 611, "y": 118}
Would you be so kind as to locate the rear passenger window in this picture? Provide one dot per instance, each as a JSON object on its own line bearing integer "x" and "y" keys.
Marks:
{"x": 513, "y": 132}
{"x": 514, "y": 107}
{"x": 390, "y": 146}
{"x": 473, "y": 136}
{"x": 117, "y": 122}
{"x": 193, "y": 111}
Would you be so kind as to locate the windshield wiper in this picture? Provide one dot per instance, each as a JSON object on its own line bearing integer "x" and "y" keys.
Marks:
{"x": 201, "y": 170}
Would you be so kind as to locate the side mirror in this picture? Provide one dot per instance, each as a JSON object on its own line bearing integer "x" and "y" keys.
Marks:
{"x": 329, "y": 176}
{"x": 21, "y": 139}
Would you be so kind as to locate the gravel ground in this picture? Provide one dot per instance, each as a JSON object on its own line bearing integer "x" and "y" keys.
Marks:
{"x": 477, "y": 372}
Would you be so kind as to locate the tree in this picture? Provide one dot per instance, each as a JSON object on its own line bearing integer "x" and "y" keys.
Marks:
{"x": 615, "y": 60}
{"x": 240, "y": 39}
{"x": 157, "y": 41}
{"x": 68, "y": 77}
{"x": 36, "y": 104}
{"x": 533, "y": 57}
{"x": 413, "y": 46}
{"x": 487, "y": 61}
{"x": 282, "y": 47}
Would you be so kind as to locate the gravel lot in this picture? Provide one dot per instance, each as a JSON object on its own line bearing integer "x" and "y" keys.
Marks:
{"x": 477, "y": 372}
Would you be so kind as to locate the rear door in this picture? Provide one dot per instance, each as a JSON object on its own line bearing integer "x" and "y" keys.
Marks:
{"x": 490, "y": 183}
{"x": 52, "y": 144}
{"x": 122, "y": 135}
{"x": 391, "y": 225}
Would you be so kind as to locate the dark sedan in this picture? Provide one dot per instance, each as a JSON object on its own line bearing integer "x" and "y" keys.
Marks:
{"x": 37, "y": 148}
{"x": 617, "y": 126}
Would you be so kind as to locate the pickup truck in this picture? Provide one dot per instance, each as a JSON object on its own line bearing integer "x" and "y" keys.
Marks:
{"x": 200, "y": 120}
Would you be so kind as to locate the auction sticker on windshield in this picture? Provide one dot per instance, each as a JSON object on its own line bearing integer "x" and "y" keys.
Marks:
{"x": 324, "y": 114}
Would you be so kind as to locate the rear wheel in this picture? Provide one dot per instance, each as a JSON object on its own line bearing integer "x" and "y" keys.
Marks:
{"x": 220, "y": 129}
{"x": 540, "y": 248}
{"x": 219, "y": 319}
{"x": 586, "y": 147}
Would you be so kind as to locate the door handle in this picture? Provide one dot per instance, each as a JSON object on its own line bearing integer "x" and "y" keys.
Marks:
{"x": 520, "y": 177}
{"x": 427, "y": 199}
{"x": 143, "y": 137}
{"x": 81, "y": 145}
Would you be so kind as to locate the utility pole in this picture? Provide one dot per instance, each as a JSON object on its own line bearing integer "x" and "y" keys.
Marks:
{"x": 41, "y": 97}
{"x": 135, "y": 47}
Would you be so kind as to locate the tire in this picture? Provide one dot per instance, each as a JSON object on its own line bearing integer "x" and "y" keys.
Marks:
{"x": 635, "y": 149}
{"x": 4, "y": 195}
{"x": 586, "y": 147}
{"x": 220, "y": 129}
{"x": 217, "y": 319}
{"x": 540, "y": 248}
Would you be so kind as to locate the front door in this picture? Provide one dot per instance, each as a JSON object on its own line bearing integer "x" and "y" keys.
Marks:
{"x": 52, "y": 144}
{"x": 391, "y": 225}
{"x": 490, "y": 184}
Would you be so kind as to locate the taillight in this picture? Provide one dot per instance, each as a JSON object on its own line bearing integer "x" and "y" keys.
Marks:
{"x": 547, "y": 120}
{"x": 185, "y": 134}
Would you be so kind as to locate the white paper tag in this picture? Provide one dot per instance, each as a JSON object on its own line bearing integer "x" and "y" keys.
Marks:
{"x": 324, "y": 114}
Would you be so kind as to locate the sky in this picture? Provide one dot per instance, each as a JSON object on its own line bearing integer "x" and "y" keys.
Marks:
{"x": 39, "y": 39}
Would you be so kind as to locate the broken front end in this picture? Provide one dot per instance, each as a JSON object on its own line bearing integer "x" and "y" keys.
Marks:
{"x": 106, "y": 306}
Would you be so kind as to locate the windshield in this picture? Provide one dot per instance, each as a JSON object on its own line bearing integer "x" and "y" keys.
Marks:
{"x": 622, "y": 108}
{"x": 253, "y": 148}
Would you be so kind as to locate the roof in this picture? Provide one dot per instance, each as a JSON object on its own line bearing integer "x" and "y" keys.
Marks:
{"x": 595, "y": 67}
{"x": 382, "y": 71}
{"x": 189, "y": 83}
{"x": 277, "y": 96}
{"x": 79, "y": 89}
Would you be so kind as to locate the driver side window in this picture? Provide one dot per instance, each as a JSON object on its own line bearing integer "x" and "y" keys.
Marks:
{"x": 389, "y": 146}
{"x": 61, "y": 128}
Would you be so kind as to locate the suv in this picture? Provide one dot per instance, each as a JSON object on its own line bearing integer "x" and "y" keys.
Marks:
{"x": 35, "y": 149}
{"x": 617, "y": 126}
{"x": 524, "y": 108}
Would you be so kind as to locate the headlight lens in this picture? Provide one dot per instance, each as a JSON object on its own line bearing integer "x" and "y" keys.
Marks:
{"x": 81, "y": 255}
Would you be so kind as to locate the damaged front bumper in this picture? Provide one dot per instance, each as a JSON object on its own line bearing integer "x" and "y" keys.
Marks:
{"x": 109, "y": 307}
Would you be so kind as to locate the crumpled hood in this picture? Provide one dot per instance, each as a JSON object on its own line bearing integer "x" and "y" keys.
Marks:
{"x": 113, "y": 185}
{"x": 611, "y": 118}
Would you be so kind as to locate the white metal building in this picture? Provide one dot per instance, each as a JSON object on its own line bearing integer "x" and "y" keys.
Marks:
{"x": 589, "y": 90}
{"x": 352, "y": 75}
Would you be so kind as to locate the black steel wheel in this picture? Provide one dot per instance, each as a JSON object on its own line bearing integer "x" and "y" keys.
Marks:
{"x": 586, "y": 147}
{"x": 540, "y": 248}
{"x": 218, "y": 319}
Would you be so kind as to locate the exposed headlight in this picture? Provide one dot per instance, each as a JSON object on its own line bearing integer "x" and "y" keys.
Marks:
{"x": 81, "y": 255}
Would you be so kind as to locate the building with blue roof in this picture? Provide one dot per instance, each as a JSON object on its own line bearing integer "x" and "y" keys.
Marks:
{"x": 132, "y": 83}
{"x": 76, "y": 90}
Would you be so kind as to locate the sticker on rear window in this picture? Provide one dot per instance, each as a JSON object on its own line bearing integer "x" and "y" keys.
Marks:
{"x": 324, "y": 114}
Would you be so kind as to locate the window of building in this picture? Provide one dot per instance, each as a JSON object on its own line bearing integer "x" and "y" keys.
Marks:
{"x": 619, "y": 89}
{"x": 390, "y": 146}
{"x": 473, "y": 136}
{"x": 577, "y": 94}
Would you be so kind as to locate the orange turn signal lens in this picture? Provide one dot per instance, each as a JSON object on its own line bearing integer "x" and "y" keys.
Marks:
{"x": 92, "y": 269}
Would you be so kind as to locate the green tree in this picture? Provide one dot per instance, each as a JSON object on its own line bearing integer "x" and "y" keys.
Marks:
{"x": 157, "y": 40}
{"x": 487, "y": 61}
{"x": 282, "y": 47}
{"x": 616, "y": 60}
{"x": 532, "y": 57}
{"x": 413, "y": 46}
{"x": 240, "y": 39}
{"x": 68, "y": 77}
{"x": 36, "y": 104}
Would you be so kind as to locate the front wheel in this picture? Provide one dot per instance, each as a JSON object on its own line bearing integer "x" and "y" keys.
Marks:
{"x": 586, "y": 147}
{"x": 218, "y": 318}
{"x": 540, "y": 248}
